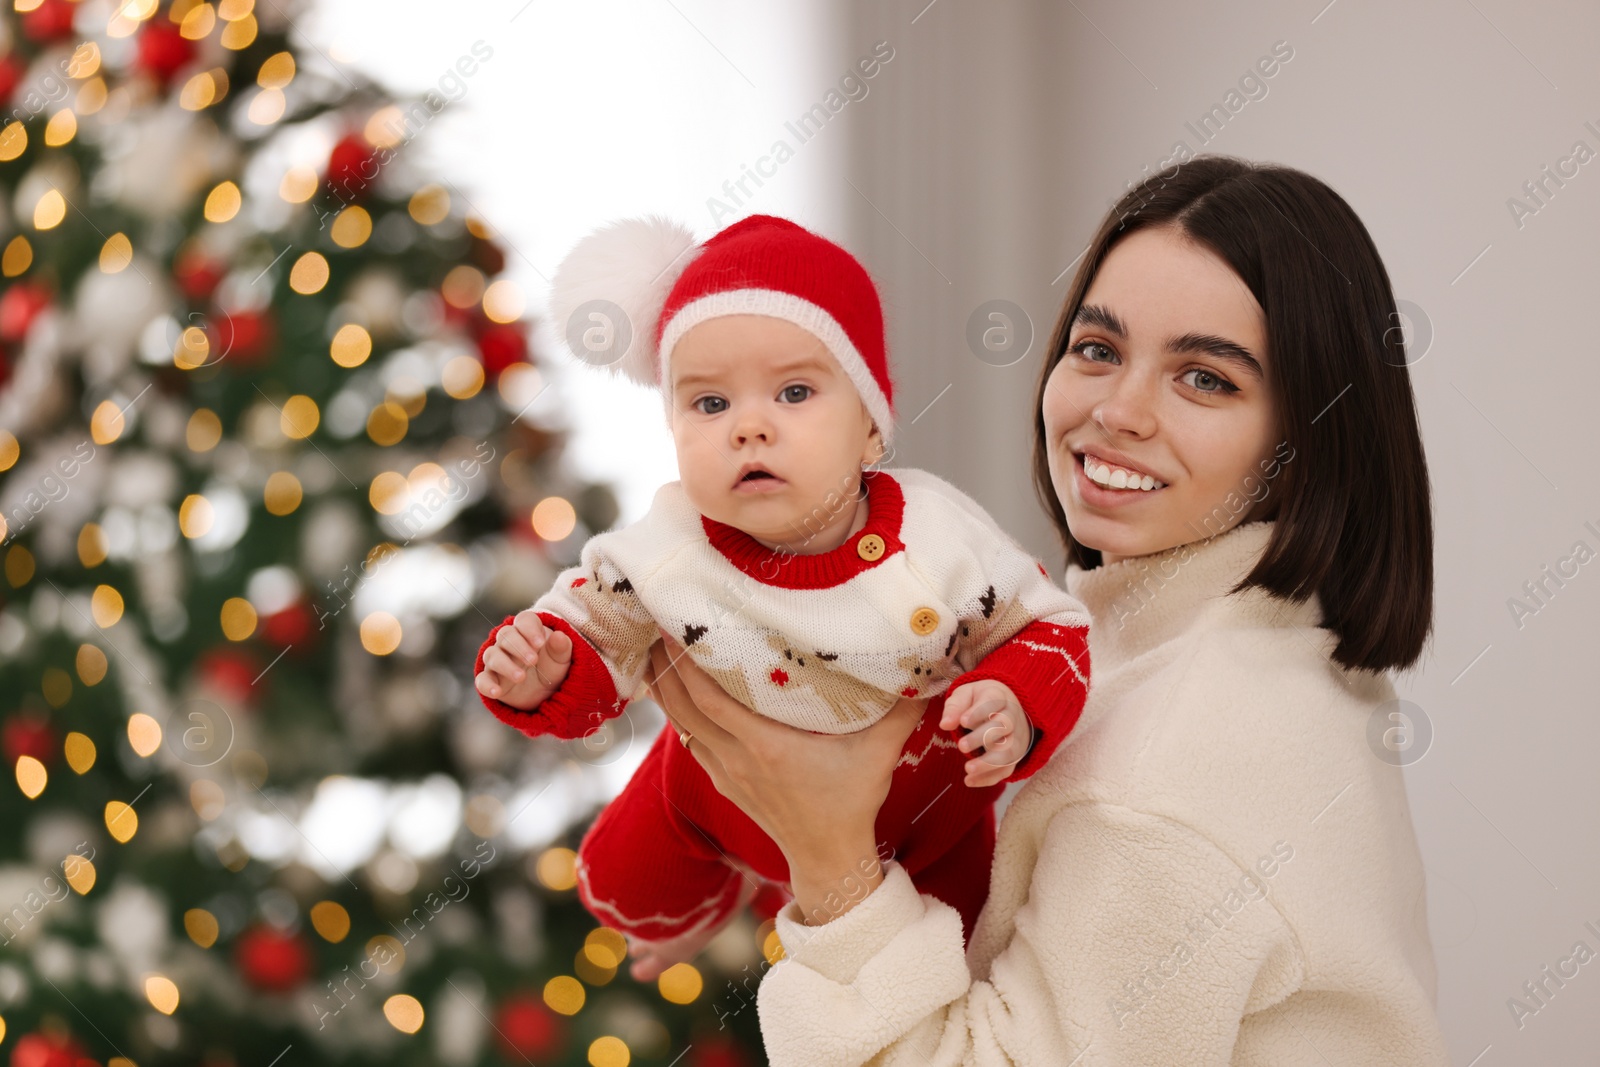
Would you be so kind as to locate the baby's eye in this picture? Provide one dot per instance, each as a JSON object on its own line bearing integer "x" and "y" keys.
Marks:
{"x": 698, "y": 404}
{"x": 788, "y": 393}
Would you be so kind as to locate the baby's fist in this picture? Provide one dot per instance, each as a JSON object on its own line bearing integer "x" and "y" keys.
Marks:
{"x": 526, "y": 643}
{"x": 999, "y": 729}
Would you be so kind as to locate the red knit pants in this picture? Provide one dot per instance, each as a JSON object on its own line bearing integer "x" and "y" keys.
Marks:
{"x": 670, "y": 855}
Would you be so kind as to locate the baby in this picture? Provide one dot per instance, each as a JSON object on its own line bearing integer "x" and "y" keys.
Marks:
{"x": 816, "y": 591}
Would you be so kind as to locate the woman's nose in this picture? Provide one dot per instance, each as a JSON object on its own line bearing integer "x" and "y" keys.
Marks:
{"x": 1129, "y": 408}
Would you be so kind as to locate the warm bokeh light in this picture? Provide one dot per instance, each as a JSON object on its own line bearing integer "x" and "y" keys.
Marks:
{"x": 429, "y": 205}
{"x": 121, "y": 821}
{"x": 144, "y": 734}
{"x": 162, "y": 993}
{"x": 80, "y": 752}
{"x": 502, "y": 302}
{"x": 199, "y": 92}
{"x": 309, "y": 274}
{"x": 330, "y": 920}
{"x": 223, "y": 202}
{"x": 680, "y": 984}
{"x": 107, "y": 422}
{"x": 463, "y": 287}
{"x": 299, "y": 185}
{"x": 404, "y": 1013}
{"x": 198, "y": 23}
{"x": 56, "y": 687}
{"x": 201, "y": 926}
{"x": 79, "y": 872}
{"x": 19, "y": 565}
{"x": 351, "y": 345}
{"x": 299, "y": 417}
{"x": 387, "y": 424}
{"x": 564, "y": 994}
{"x": 240, "y": 33}
{"x": 116, "y": 253}
{"x": 351, "y": 227}
{"x": 192, "y": 350}
{"x": 557, "y": 868}
{"x": 277, "y": 71}
{"x": 605, "y": 946}
{"x": 609, "y": 1051}
{"x": 61, "y": 129}
{"x": 554, "y": 518}
{"x": 50, "y": 210}
{"x": 207, "y": 798}
{"x": 462, "y": 377}
{"x": 380, "y": 633}
{"x": 388, "y": 493}
{"x": 91, "y": 545}
{"x": 91, "y": 663}
{"x": 31, "y": 776}
{"x": 105, "y": 604}
{"x": 283, "y": 493}
{"x": 204, "y": 430}
{"x": 17, "y": 257}
{"x": 196, "y": 516}
{"x": 238, "y": 618}
{"x": 267, "y": 106}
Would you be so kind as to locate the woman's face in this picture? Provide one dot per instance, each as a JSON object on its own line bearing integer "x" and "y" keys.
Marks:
{"x": 1166, "y": 382}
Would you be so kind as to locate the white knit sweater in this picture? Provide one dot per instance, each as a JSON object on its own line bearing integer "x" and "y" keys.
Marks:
{"x": 1218, "y": 870}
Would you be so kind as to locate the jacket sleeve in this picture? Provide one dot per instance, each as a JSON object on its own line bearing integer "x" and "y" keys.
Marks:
{"x": 1139, "y": 942}
{"x": 595, "y": 605}
{"x": 1020, "y": 628}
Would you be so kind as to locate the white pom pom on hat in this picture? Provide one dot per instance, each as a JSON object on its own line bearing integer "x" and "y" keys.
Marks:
{"x": 607, "y": 294}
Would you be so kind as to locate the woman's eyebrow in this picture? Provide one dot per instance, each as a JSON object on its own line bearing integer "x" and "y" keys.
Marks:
{"x": 1220, "y": 348}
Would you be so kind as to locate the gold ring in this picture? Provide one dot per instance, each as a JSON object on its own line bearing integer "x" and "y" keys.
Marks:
{"x": 684, "y": 737}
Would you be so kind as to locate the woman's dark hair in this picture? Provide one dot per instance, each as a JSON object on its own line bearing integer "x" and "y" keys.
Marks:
{"x": 1353, "y": 521}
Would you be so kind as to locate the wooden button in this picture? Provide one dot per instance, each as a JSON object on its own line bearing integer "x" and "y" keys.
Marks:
{"x": 924, "y": 621}
{"x": 870, "y": 547}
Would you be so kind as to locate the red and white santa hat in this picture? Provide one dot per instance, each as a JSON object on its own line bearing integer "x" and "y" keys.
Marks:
{"x": 663, "y": 284}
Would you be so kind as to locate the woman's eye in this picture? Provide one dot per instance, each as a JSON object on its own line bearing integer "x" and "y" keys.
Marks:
{"x": 789, "y": 391}
{"x": 1206, "y": 382}
{"x": 700, "y": 404}
{"x": 1084, "y": 348}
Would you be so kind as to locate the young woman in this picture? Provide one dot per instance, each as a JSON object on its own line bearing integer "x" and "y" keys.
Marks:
{"x": 1219, "y": 866}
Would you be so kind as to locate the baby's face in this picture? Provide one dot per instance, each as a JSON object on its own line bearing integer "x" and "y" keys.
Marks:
{"x": 755, "y": 390}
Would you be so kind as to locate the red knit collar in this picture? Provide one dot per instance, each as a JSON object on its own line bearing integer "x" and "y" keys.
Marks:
{"x": 821, "y": 570}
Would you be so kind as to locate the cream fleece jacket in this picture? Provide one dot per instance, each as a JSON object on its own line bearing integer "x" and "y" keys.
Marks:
{"x": 1216, "y": 869}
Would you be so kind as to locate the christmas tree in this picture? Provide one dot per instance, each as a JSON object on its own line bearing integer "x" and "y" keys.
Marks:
{"x": 275, "y": 453}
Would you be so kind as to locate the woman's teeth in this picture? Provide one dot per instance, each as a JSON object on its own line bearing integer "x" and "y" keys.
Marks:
{"x": 1118, "y": 478}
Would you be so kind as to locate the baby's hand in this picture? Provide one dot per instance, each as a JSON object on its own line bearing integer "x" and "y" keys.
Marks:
{"x": 527, "y": 642}
{"x": 1000, "y": 728}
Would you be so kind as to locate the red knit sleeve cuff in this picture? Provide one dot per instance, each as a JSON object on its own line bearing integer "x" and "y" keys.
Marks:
{"x": 586, "y": 697}
{"x": 1047, "y": 667}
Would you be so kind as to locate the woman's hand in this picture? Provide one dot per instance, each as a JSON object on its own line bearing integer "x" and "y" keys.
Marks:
{"x": 816, "y": 795}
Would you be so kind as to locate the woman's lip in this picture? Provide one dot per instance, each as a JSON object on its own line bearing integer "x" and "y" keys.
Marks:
{"x": 1100, "y": 497}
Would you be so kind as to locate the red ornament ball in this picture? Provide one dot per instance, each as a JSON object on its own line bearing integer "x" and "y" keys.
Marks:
{"x": 528, "y": 1029}
{"x": 28, "y": 735}
{"x": 241, "y": 337}
{"x": 163, "y": 50}
{"x": 294, "y": 625}
{"x": 50, "y": 21}
{"x": 196, "y": 273}
{"x": 500, "y": 345}
{"x": 47, "y": 1050}
{"x": 20, "y": 305}
{"x": 10, "y": 75}
{"x": 352, "y": 166}
{"x": 272, "y": 960}
{"x": 232, "y": 671}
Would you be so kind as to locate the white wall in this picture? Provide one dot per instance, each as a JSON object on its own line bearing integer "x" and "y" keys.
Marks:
{"x": 1003, "y": 131}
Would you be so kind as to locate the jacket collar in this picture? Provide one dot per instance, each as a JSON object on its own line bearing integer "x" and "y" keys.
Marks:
{"x": 820, "y": 570}
{"x": 1141, "y": 602}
